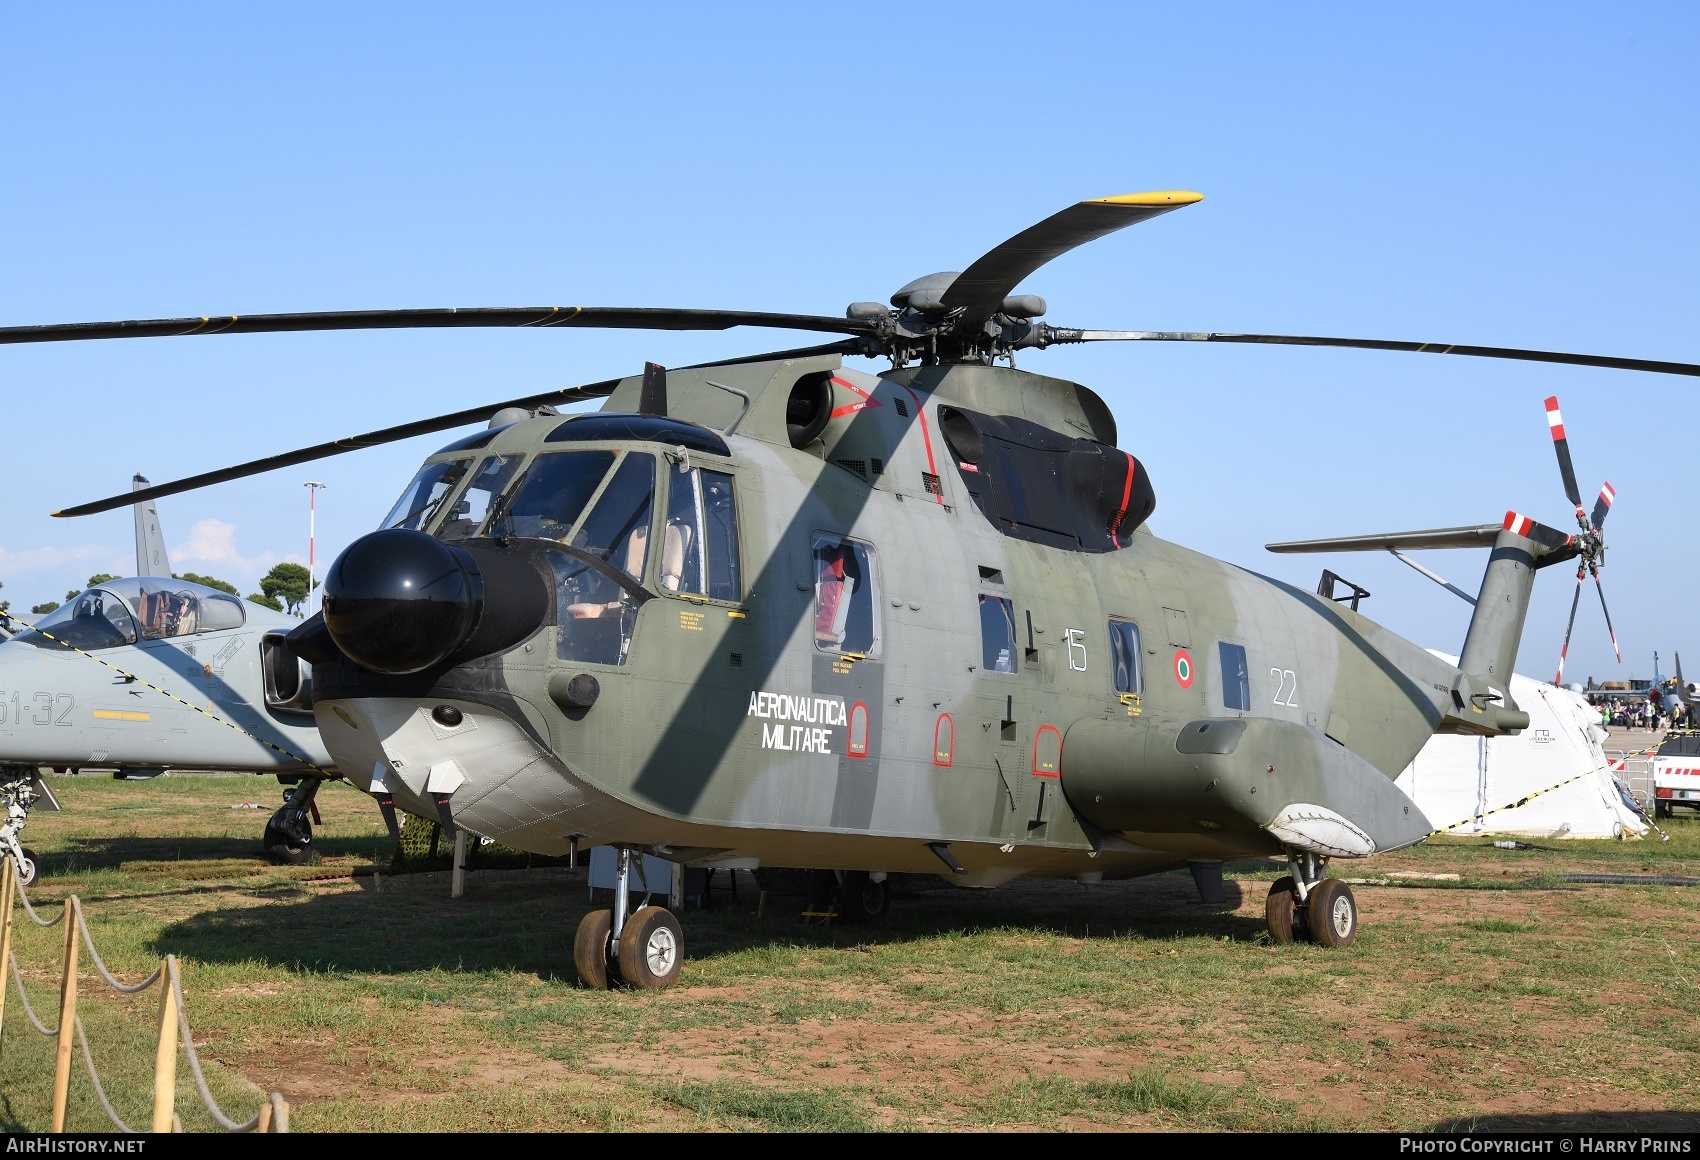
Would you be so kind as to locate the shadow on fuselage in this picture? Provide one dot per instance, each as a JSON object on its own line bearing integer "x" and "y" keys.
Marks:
{"x": 523, "y": 922}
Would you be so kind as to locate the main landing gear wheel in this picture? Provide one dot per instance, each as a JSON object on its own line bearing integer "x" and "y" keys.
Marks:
{"x": 650, "y": 946}
{"x": 288, "y": 843}
{"x": 1284, "y": 913}
{"x": 861, "y": 899}
{"x": 1333, "y": 913}
{"x": 289, "y": 832}
{"x": 590, "y": 948}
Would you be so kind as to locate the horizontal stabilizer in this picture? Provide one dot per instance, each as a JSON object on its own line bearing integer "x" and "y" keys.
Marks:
{"x": 1479, "y": 536}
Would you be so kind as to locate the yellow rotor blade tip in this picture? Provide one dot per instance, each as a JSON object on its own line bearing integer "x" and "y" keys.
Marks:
{"x": 1156, "y": 197}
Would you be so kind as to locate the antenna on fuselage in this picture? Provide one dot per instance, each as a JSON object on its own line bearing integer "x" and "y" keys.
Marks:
{"x": 151, "y": 559}
{"x": 653, "y": 399}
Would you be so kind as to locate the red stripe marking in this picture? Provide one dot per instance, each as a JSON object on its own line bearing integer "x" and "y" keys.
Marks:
{"x": 927, "y": 440}
{"x": 1127, "y": 490}
{"x": 851, "y": 408}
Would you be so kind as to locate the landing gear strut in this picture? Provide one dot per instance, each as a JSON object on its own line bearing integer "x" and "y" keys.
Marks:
{"x": 21, "y": 788}
{"x": 643, "y": 950}
{"x": 289, "y": 833}
{"x": 1306, "y": 907}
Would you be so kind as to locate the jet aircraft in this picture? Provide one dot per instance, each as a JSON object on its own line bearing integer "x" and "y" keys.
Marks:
{"x": 150, "y": 673}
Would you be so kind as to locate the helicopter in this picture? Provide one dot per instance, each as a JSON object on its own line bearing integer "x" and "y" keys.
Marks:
{"x": 778, "y": 612}
{"x": 152, "y": 672}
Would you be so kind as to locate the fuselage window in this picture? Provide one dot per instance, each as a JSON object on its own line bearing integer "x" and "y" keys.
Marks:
{"x": 597, "y": 615}
{"x": 1124, "y": 657}
{"x": 474, "y": 502}
{"x": 997, "y": 634}
{"x": 846, "y": 596}
{"x": 419, "y": 502}
{"x": 1236, "y": 679}
{"x": 549, "y": 500}
{"x": 699, "y": 551}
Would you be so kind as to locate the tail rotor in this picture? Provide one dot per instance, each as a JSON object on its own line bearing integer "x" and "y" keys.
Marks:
{"x": 1590, "y": 541}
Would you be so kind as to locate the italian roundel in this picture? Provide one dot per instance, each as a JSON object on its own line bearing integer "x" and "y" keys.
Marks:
{"x": 1183, "y": 668}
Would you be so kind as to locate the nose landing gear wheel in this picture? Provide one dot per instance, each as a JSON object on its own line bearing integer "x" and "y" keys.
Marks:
{"x": 287, "y": 843}
{"x": 28, "y": 868}
{"x": 1284, "y": 913}
{"x": 651, "y": 946}
{"x": 1333, "y": 913}
{"x": 590, "y": 949}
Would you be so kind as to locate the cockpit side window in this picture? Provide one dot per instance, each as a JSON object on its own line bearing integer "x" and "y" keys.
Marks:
{"x": 475, "y": 500}
{"x": 699, "y": 553}
{"x": 552, "y": 495}
{"x": 597, "y": 616}
{"x": 997, "y": 634}
{"x": 419, "y": 502}
{"x": 847, "y": 605}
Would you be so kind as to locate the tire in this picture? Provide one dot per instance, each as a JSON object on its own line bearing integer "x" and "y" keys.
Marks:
{"x": 1282, "y": 912}
{"x": 651, "y": 949}
{"x": 861, "y": 899}
{"x": 1333, "y": 913}
{"x": 590, "y": 949}
{"x": 282, "y": 845}
{"x": 1661, "y": 810}
{"x": 29, "y": 868}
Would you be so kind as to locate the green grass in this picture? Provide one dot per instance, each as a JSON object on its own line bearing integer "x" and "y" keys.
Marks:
{"x": 1048, "y": 1005}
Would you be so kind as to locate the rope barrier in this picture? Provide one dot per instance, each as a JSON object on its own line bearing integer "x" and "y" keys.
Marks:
{"x": 98, "y": 1090}
{"x": 273, "y": 1115}
{"x": 106, "y": 975}
{"x": 25, "y": 1000}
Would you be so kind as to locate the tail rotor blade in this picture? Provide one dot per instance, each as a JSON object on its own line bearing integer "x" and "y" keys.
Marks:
{"x": 1562, "y": 446}
{"x": 1607, "y": 611}
{"x": 1602, "y": 506}
{"x": 1564, "y": 650}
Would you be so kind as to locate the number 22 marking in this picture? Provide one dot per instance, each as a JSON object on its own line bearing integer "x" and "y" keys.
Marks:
{"x": 1282, "y": 676}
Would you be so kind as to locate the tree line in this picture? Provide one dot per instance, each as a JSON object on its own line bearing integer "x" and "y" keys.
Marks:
{"x": 283, "y": 589}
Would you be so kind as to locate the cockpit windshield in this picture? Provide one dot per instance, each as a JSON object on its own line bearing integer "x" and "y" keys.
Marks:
{"x": 473, "y": 504}
{"x": 145, "y": 608}
{"x": 419, "y": 503}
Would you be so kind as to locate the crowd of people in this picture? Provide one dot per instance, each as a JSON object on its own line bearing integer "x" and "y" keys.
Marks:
{"x": 1647, "y": 715}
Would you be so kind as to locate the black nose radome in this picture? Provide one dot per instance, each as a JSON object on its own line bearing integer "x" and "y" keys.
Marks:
{"x": 399, "y": 601}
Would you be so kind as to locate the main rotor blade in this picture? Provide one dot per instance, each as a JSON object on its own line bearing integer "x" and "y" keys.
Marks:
{"x": 1564, "y": 649}
{"x": 1561, "y": 444}
{"x": 1601, "y": 588}
{"x": 1602, "y": 506}
{"x": 342, "y": 446}
{"x": 409, "y": 430}
{"x": 594, "y": 317}
{"x": 980, "y": 289}
{"x": 1063, "y": 334}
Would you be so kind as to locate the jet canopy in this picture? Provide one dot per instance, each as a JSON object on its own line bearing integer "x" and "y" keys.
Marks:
{"x": 139, "y": 608}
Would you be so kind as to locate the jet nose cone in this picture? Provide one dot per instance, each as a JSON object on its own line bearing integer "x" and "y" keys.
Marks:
{"x": 399, "y": 601}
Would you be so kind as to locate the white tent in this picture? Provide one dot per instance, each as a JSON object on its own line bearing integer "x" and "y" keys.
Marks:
{"x": 1455, "y": 778}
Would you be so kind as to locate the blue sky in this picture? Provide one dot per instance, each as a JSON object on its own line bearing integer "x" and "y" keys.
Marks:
{"x": 1513, "y": 174}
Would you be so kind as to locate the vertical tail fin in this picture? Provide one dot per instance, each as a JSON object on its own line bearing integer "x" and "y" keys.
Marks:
{"x": 151, "y": 559}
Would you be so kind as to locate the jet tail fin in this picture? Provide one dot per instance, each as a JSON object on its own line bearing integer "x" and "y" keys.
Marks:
{"x": 151, "y": 559}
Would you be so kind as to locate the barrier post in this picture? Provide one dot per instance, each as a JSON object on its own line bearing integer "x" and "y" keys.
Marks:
{"x": 7, "y": 878}
{"x": 67, "y": 1017}
{"x": 165, "y": 1058}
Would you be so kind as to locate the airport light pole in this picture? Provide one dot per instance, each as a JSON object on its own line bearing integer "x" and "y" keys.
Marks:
{"x": 313, "y": 488}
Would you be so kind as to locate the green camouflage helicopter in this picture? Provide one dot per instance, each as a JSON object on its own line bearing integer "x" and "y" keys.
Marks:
{"x": 778, "y": 612}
